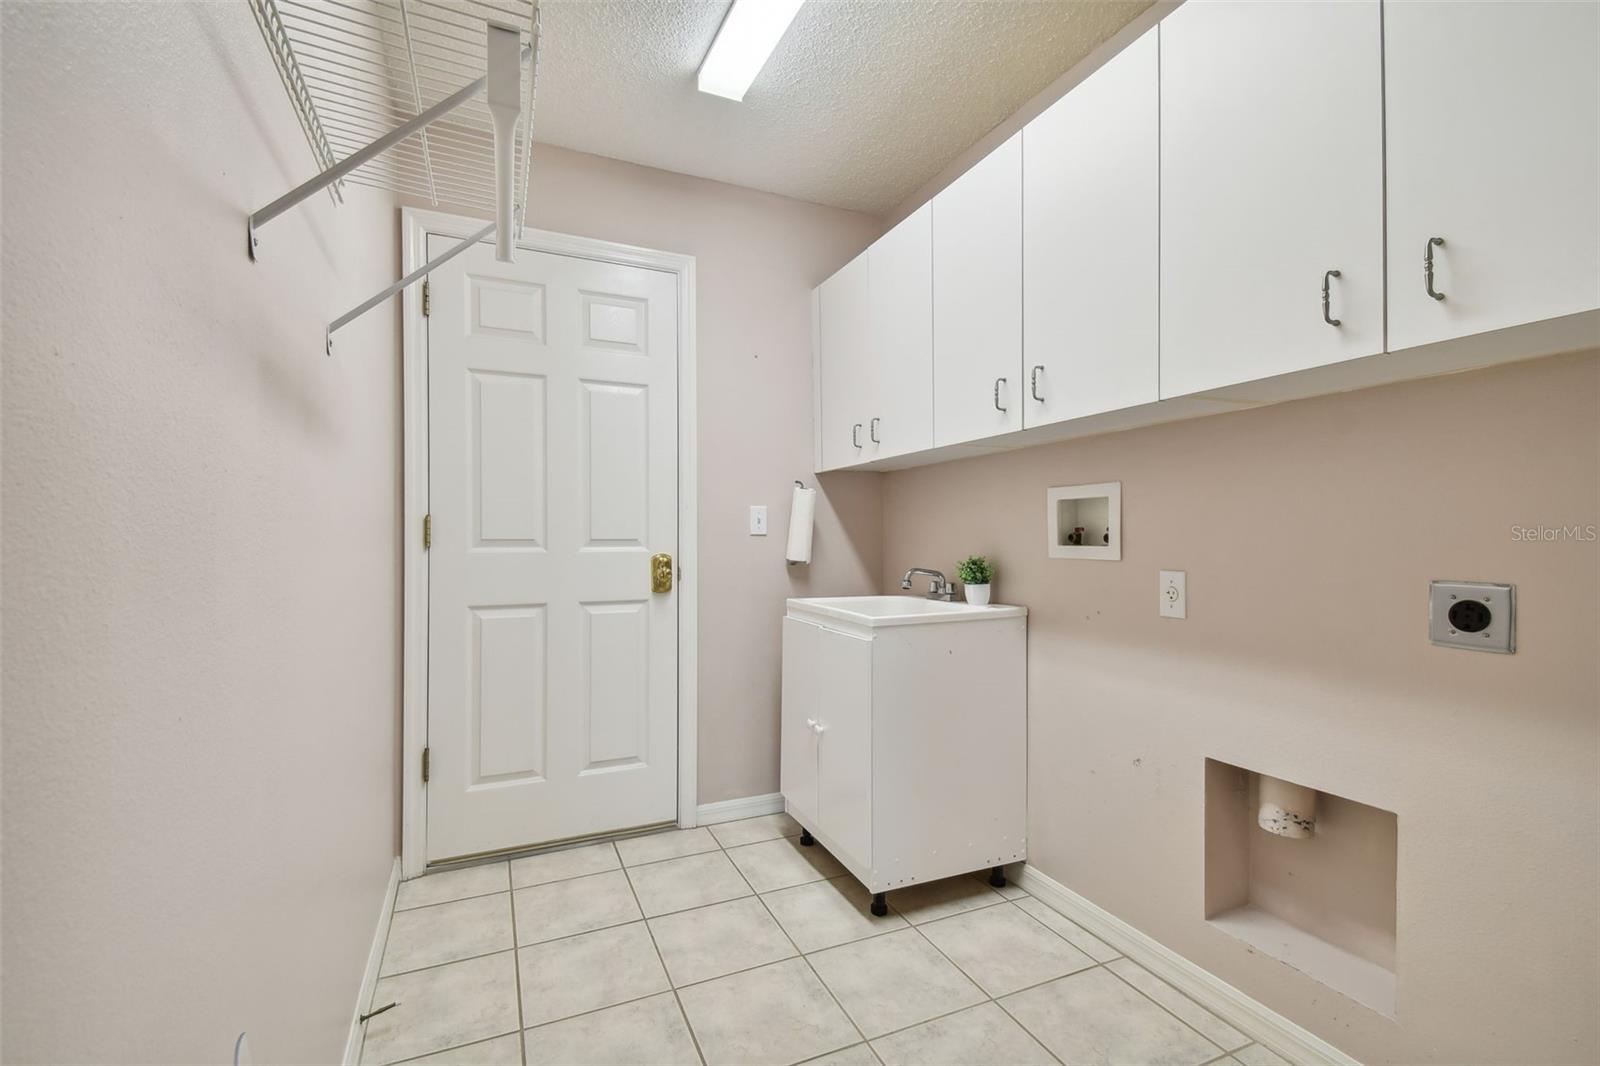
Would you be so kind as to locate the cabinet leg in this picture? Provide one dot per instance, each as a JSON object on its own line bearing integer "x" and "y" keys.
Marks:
{"x": 880, "y": 906}
{"x": 997, "y": 877}
{"x": 806, "y": 838}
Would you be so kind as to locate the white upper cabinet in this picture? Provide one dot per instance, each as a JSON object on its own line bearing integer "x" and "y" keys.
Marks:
{"x": 977, "y": 300}
{"x": 1091, "y": 244}
{"x": 899, "y": 411}
{"x": 1271, "y": 189}
{"x": 844, "y": 362}
{"x": 876, "y": 349}
{"x": 1494, "y": 149}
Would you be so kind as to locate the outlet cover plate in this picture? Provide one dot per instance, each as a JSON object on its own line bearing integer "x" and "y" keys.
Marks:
{"x": 1174, "y": 594}
{"x": 1477, "y": 615}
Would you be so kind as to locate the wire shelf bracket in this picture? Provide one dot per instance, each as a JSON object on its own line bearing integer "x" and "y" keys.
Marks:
{"x": 352, "y": 68}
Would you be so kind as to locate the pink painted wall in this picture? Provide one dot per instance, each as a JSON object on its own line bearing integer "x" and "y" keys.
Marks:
{"x": 1309, "y": 532}
{"x": 201, "y": 531}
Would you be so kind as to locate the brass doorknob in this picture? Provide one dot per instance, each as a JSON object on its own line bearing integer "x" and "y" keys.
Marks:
{"x": 661, "y": 572}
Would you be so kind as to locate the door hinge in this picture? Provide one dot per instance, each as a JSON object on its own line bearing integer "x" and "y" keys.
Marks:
{"x": 427, "y": 531}
{"x": 424, "y": 765}
{"x": 427, "y": 298}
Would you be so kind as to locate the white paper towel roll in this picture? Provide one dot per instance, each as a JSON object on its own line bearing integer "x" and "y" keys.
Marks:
{"x": 801, "y": 513}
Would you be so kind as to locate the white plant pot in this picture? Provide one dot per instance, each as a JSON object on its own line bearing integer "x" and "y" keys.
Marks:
{"x": 977, "y": 595}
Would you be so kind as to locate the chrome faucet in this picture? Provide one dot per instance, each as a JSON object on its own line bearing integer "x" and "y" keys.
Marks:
{"x": 938, "y": 589}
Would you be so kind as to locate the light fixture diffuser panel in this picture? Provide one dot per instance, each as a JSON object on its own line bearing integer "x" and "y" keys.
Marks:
{"x": 749, "y": 33}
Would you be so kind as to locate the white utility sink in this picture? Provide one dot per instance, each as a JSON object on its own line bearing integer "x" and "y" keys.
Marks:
{"x": 874, "y": 611}
{"x": 905, "y": 729}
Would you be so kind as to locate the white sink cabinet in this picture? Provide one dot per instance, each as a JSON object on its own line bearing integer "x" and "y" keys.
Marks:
{"x": 904, "y": 735}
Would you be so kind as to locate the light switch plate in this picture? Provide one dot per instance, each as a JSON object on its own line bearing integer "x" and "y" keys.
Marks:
{"x": 758, "y": 520}
{"x": 1174, "y": 594}
{"x": 1476, "y": 615}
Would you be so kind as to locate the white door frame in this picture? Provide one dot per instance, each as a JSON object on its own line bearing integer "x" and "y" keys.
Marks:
{"x": 416, "y": 225}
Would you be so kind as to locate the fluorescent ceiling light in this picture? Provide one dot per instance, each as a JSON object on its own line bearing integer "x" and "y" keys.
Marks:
{"x": 749, "y": 33}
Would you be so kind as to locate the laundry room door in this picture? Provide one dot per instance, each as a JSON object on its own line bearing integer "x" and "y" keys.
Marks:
{"x": 552, "y": 484}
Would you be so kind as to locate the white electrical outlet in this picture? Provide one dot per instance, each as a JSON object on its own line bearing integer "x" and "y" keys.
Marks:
{"x": 758, "y": 520}
{"x": 1174, "y": 596}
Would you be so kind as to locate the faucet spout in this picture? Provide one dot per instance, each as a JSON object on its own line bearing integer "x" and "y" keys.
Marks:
{"x": 938, "y": 588}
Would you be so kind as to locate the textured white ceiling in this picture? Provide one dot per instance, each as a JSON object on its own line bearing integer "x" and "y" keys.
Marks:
{"x": 863, "y": 101}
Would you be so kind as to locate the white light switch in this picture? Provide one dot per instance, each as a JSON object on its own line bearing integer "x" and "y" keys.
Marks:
{"x": 1174, "y": 596}
{"x": 758, "y": 520}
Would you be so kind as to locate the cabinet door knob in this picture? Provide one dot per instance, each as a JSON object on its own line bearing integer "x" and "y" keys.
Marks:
{"x": 1427, "y": 265}
{"x": 855, "y": 434}
{"x": 1326, "y": 274}
{"x": 1033, "y": 383}
{"x": 997, "y": 383}
{"x": 872, "y": 431}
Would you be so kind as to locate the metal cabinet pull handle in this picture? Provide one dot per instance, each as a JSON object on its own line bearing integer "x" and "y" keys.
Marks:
{"x": 1326, "y": 274}
{"x": 855, "y": 434}
{"x": 1427, "y": 265}
{"x": 872, "y": 431}
{"x": 1033, "y": 384}
{"x": 997, "y": 383}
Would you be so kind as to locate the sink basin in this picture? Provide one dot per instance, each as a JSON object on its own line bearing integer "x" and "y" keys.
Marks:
{"x": 874, "y": 611}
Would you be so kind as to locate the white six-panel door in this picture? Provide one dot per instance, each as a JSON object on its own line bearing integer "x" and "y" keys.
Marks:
{"x": 1492, "y": 111}
{"x": 1091, "y": 244}
{"x": 1271, "y": 177}
{"x": 552, "y": 666}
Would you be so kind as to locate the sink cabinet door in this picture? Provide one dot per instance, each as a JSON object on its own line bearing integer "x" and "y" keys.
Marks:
{"x": 798, "y": 743}
{"x": 844, "y": 750}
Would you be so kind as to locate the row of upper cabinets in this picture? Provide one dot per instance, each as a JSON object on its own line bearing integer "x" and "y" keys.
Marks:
{"x": 1248, "y": 190}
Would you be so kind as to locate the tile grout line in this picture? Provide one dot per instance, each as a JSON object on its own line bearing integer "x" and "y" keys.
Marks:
{"x": 984, "y": 991}
{"x": 672, "y": 987}
{"x": 452, "y": 1047}
{"x": 800, "y": 954}
{"x": 516, "y": 969}
{"x": 1225, "y": 1051}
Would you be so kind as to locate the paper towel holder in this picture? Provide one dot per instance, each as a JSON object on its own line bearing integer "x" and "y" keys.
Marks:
{"x": 794, "y": 562}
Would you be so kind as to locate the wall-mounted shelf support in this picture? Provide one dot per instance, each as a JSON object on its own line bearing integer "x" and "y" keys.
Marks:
{"x": 410, "y": 279}
{"x": 382, "y": 144}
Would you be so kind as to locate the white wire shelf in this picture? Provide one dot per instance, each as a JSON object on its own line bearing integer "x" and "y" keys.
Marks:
{"x": 424, "y": 97}
{"x": 356, "y": 69}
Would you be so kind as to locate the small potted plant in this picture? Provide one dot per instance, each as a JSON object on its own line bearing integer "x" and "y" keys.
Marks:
{"x": 975, "y": 574}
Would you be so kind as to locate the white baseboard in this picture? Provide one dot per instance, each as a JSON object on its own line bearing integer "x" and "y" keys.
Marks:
{"x": 1265, "y": 1025}
{"x": 734, "y": 809}
{"x": 369, "y": 979}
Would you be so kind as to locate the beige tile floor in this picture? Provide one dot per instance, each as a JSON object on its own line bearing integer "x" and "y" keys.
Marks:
{"x": 735, "y": 945}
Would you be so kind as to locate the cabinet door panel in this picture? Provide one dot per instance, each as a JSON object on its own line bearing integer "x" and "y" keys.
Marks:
{"x": 844, "y": 314}
{"x": 1493, "y": 145}
{"x": 977, "y": 300}
{"x": 1271, "y": 175}
{"x": 797, "y": 769}
{"x": 1090, "y": 243}
{"x": 901, "y": 396}
{"x": 844, "y": 751}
